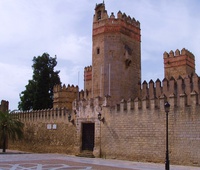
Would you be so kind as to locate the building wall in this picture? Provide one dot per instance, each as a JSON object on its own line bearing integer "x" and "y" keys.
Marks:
{"x": 136, "y": 129}
{"x": 139, "y": 134}
{"x": 46, "y": 131}
{"x": 131, "y": 130}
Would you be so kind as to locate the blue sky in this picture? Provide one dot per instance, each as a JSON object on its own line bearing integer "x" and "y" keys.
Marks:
{"x": 64, "y": 28}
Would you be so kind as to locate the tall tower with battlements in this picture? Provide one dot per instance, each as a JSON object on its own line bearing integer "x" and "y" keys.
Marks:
{"x": 116, "y": 55}
{"x": 180, "y": 63}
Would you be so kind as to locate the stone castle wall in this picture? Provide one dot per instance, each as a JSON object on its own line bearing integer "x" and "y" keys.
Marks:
{"x": 135, "y": 129}
{"x": 46, "y": 131}
{"x": 131, "y": 130}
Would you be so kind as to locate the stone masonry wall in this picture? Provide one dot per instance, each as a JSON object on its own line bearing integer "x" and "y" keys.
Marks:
{"x": 46, "y": 131}
{"x": 136, "y": 129}
{"x": 133, "y": 131}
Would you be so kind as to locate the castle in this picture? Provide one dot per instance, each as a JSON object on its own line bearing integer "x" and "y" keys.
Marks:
{"x": 116, "y": 116}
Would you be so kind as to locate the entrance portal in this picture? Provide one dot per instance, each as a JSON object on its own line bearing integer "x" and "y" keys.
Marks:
{"x": 88, "y": 136}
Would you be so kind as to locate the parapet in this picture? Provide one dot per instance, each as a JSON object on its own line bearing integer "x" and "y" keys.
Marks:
{"x": 70, "y": 88}
{"x": 102, "y": 23}
{"x": 126, "y": 18}
{"x": 183, "y": 85}
{"x": 55, "y": 115}
{"x": 178, "y": 53}
{"x": 181, "y": 93}
{"x": 101, "y": 14}
{"x": 88, "y": 68}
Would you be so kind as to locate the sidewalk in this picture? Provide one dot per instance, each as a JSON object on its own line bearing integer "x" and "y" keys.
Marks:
{"x": 18, "y": 160}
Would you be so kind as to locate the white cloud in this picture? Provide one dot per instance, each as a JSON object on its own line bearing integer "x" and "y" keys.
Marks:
{"x": 64, "y": 28}
{"x": 14, "y": 78}
{"x": 73, "y": 48}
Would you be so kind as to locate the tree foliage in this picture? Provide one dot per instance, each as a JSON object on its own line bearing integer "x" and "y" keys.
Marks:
{"x": 10, "y": 127}
{"x": 39, "y": 91}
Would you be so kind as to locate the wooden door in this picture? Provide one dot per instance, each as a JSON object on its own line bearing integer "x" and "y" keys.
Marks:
{"x": 88, "y": 136}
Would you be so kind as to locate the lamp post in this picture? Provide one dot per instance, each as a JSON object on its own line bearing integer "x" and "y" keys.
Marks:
{"x": 167, "y": 164}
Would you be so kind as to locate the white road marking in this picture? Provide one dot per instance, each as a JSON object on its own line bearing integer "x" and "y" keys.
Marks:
{"x": 33, "y": 166}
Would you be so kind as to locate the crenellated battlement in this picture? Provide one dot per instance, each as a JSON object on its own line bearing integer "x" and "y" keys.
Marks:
{"x": 178, "y": 53}
{"x": 122, "y": 18}
{"x": 147, "y": 105}
{"x": 101, "y": 13}
{"x": 88, "y": 68}
{"x": 100, "y": 8}
{"x": 180, "y": 93}
{"x": 56, "y": 115}
{"x": 69, "y": 88}
{"x": 103, "y": 23}
{"x": 126, "y": 19}
{"x": 90, "y": 108}
{"x": 186, "y": 85}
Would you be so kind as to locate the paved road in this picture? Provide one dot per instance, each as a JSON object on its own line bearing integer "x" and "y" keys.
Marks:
{"x": 20, "y": 161}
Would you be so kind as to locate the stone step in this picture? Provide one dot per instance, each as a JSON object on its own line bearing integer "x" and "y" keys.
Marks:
{"x": 86, "y": 153}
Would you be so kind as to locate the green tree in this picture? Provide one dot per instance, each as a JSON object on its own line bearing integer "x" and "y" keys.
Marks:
{"x": 39, "y": 91}
{"x": 10, "y": 128}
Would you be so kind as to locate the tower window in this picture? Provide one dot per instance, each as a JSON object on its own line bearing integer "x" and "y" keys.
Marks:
{"x": 99, "y": 15}
{"x": 98, "y": 50}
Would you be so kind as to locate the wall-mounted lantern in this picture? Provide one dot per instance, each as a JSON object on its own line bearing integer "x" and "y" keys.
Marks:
{"x": 70, "y": 119}
{"x": 100, "y": 117}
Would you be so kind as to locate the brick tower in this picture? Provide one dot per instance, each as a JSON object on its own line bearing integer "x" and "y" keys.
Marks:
{"x": 116, "y": 55}
{"x": 178, "y": 64}
{"x": 64, "y": 96}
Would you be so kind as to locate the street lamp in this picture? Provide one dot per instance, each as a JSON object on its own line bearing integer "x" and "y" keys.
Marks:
{"x": 167, "y": 107}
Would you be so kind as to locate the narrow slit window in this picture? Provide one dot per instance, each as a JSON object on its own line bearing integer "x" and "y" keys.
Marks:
{"x": 98, "y": 50}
